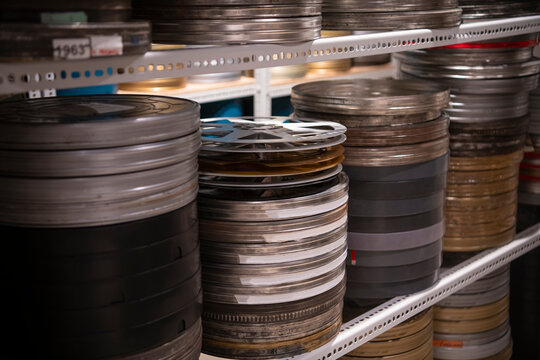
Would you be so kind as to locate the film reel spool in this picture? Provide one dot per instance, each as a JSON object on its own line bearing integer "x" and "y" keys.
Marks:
{"x": 396, "y": 155}
{"x": 231, "y": 22}
{"x": 384, "y": 241}
{"x": 377, "y": 275}
{"x": 382, "y": 6}
{"x": 471, "y": 320}
{"x": 398, "y": 346}
{"x": 489, "y": 137}
{"x": 477, "y": 10}
{"x": 484, "y": 229}
{"x": 478, "y": 108}
{"x": 369, "y": 97}
{"x": 484, "y": 163}
{"x": 187, "y": 345}
{"x": 463, "y": 72}
{"x": 324, "y": 198}
{"x": 132, "y": 179}
{"x": 397, "y": 207}
{"x": 275, "y": 253}
{"x": 477, "y": 299}
{"x": 111, "y": 269}
{"x": 69, "y": 123}
{"x": 396, "y": 190}
{"x": 121, "y": 13}
{"x": 358, "y": 121}
{"x": 463, "y": 340}
{"x": 37, "y": 43}
{"x": 477, "y": 351}
{"x": 274, "y": 134}
{"x": 267, "y": 181}
{"x": 476, "y": 243}
{"x": 483, "y": 86}
{"x": 250, "y": 293}
{"x": 268, "y": 165}
{"x": 391, "y": 20}
{"x": 232, "y": 12}
{"x": 281, "y": 333}
{"x": 358, "y": 293}
{"x": 411, "y": 172}
{"x": 29, "y": 202}
{"x": 99, "y": 162}
{"x": 458, "y": 217}
{"x": 486, "y": 290}
{"x": 423, "y": 352}
{"x": 394, "y": 257}
{"x": 467, "y": 56}
{"x": 484, "y": 189}
{"x": 398, "y": 135}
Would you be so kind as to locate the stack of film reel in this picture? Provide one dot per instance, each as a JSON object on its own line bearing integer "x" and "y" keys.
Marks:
{"x": 390, "y": 14}
{"x": 473, "y": 323}
{"x": 273, "y": 215}
{"x": 98, "y": 210}
{"x": 216, "y": 22}
{"x": 410, "y": 340}
{"x": 34, "y": 30}
{"x": 489, "y": 84}
{"x": 489, "y": 9}
{"x": 534, "y": 125}
{"x": 331, "y": 67}
{"x": 396, "y": 157}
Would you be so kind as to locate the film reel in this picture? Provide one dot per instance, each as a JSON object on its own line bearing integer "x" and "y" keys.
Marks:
{"x": 69, "y": 123}
{"x": 275, "y": 134}
{"x": 294, "y": 329}
{"x": 30, "y": 42}
{"x": 290, "y": 249}
{"x": 369, "y": 97}
{"x": 391, "y": 20}
{"x": 231, "y": 22}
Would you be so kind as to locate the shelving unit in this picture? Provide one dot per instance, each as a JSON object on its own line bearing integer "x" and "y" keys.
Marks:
{"x": 20, "y": 77}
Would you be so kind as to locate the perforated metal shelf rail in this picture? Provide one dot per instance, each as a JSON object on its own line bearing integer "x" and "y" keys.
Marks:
{"x": 19, "y": 77}
{"x": 371, "y": 324}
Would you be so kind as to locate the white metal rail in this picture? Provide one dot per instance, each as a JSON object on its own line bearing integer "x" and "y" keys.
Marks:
{"x": 20, "y": 77}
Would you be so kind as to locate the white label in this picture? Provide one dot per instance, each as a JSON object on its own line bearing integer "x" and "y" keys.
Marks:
{"x": 105, "y": 108}
{"x": 106, "y": 45}
{"x": 71, "y": 49}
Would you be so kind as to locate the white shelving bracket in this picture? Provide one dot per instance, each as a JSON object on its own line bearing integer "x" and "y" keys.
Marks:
{"x": 18, "y": 77}
{"x": 262, "y": 102}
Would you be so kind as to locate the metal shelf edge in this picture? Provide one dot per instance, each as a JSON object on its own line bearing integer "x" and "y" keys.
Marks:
{"x": 21, "y": 77}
